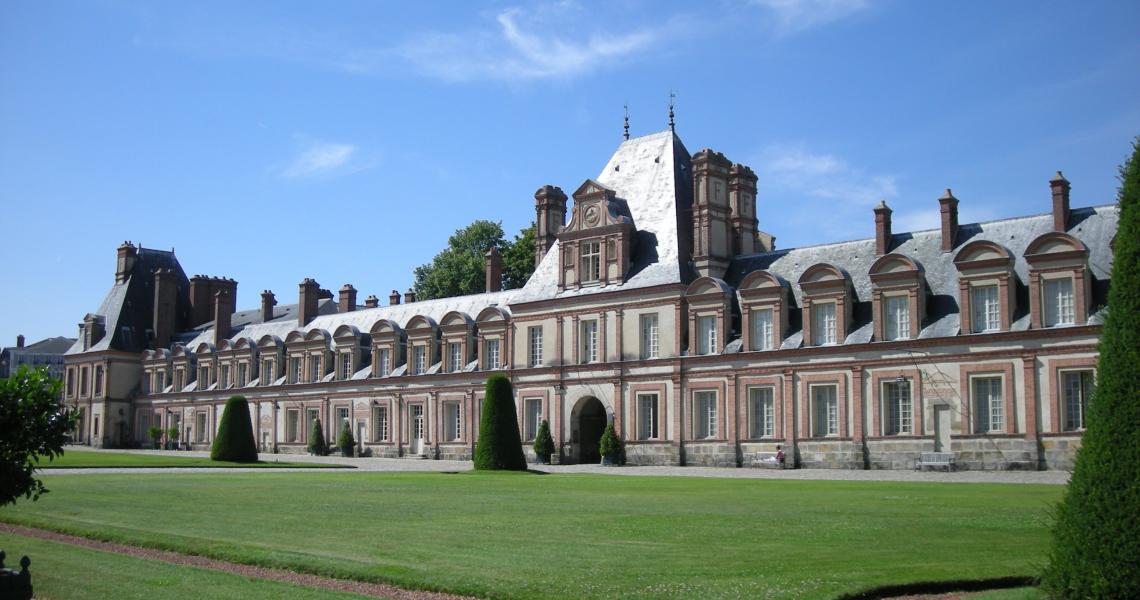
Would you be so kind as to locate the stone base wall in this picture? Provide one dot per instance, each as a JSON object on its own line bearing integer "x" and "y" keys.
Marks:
{"x": 829, "y": 454}
{"x": 715, "y": 454}
{"x": 385, "y": 451}
{"x": 896, "y": 453}
{"x": 663, "y": 454}
{"x": 1059, "y": 453}
{"x": 995, "y": 454}
{"x": 457, "y": 452}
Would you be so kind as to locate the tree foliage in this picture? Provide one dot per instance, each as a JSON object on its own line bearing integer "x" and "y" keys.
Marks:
{"x": 500, "y": 446}
{"x": 235, "y": 441}
{"x": 460, "y": 269}
{"x": 345, "y": 441}
{"x": 610, "y": 445}
{"x": 33, "y": 426}
{"x": 1096, "y": 538}
{"x": 543, "y": 442}
{"x": 317, "y": 445}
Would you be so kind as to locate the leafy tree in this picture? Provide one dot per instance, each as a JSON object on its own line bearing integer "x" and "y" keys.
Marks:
{"x": 543, "y": 442}
{"x": 499, "y": 447}
{"x": 172, "y": 436}
{"x": 317, "y": 444}
{"x": 345, "y": 441}
{"x": 1096, "y": 538}
{"x": 460, "y": 269}
{"x": 610, "y": 445}
{"x": 155, "y": 434}
{"x": 235, "y": 442}
{"x": 32, "y": 425}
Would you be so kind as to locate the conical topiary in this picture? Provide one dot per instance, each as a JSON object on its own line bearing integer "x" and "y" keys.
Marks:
{"x": 345, "y": 441}
{"x": 543, "y": 443}
{"x": 1096, "y": 538}
{"x": 235, "y": 442}
{"x": 500, "y": 446}
{"x": 317, "y": 446}
{"x": 609, "y": 446}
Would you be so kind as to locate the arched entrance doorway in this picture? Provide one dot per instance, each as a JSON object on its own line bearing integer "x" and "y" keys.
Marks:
{"x": 589, "y": 421}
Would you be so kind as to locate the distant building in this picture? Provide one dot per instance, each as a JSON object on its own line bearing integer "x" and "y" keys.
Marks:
{"x": 44, "y": 353}
{"x": 658, "y": 306}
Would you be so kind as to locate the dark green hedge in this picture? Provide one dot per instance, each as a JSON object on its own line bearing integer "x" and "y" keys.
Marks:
{"x": 235, "y": 442}
{"x": 500, "y": 446}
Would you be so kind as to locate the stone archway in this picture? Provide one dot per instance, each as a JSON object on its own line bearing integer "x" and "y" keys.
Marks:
{"x": 588, "y": 421}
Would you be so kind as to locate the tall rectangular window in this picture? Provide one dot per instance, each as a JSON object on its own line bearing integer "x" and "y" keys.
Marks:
{"x": 200, "y": 425}
{"x": 452, "y": 427}
{"x": 242, "y": 374}
{"x": 897, "y": 408}
{"x": 341, "y": 420}
{"x": 896, "y": 318}
{"x": 311, "y": 416}
{"x": 650, "y": 344}
{"x": 419, "y": 356}
{"x": 1077, "y": 387}
{"x": 761, "y": 413}
{"x": 71, "y": 382}
{"x": 345, "y": 365}
{"x": 382, "y": 363}
{"x": 1059, "y": 308}
{"x": 823, "y": 324}
{"x": 590, "y": 261}
{"x": 491, "y": 353}
{"x": 986, "y": 313}
{"x": 762, "y": 333}
{"x": 267, "y": 374}
{"x": 532, "y": 413}
{"x": 825, "y": 410}
{"x": 292, "y": 425}
{"x": 705, "y": 418}
{"x": 224, "y": 377}
{"x": 203, "y": 377}
{"x": 179, "y": 380}
{"x": 706, "y": 335}
{"x": 455, "y": 357}
{"x": 98, "y": 380}
{"x": 315, "y": 370}
{"x": 647, "y": 417}
{"x": 534, "y": 353}
{"x": 589, "y": 341}
{"x": 989, "y": 406}
{"x": 380, "y": 423}
{"x": 295, "y": 369}
{"x": 83, "y": 381}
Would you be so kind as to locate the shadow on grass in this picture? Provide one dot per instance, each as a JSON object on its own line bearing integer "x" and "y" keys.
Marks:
{"x": 941, "y": 587}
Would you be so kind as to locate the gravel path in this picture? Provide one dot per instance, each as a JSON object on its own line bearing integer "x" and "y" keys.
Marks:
{"x": 374, "y": 590}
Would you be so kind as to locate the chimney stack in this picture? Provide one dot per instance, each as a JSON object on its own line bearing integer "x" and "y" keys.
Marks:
{"x": 19, "y": 341}
{"x": 948, "y": 207}
{"x": 550, "y": 216}
{"x": 410, "y": 296}
{"x": 223, "y": 312}
{"x": 371, "y": 301}
{"x": 882, "y": 228}
{"x": 394, "y": 298}
{"x": 308, "y": 291}
{"x": 125, "y": 261}
{"x": 165, "y": 307}
{"x": 494, "y": 270}
{"x": 268, "y": 301}
{"x": 347, "y": 299}
{"x": 1060, "y": 187}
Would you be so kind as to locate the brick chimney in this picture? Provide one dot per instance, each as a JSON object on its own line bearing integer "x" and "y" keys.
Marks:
{"x": 223, "y": 313}
{"x": 1060, "y": 187}
{"x": 308, "y": 292}
{"x": 19, "y": 341}
{"x": 882, "y": 228}
{"x": 347, "y": 299}
{"x": 394, "y": 298}
{"x": 494, "y": 270}
{"x": 371, "y": 301}
{"x": 165, "y": 307}
{"x": 268, "y": 301}
{"x": 409, "y": 296}
{"x": 948, "y": 207}
{"x": 125, "y": 259}
{"x": 550, "y": 216}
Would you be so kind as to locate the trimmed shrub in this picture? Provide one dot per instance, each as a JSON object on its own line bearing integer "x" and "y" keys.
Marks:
{"x": 345, "y": 441}
{"x": 155, "y": 434}
{"x": 610, "y": 445}
{"x": 543, "y": 443}
{"x": 234, "y": 442}
{"x": 500, "y": 446}
{"x": 172, "y": 437}
{"x": 317, "y": 445}
{"x": 1096, "y": 538}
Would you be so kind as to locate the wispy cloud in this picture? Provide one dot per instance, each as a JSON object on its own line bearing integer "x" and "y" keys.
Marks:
{"x": 795, "y": 16}
{"x": 316, "y": 158}
{"x": 826, "y": 176}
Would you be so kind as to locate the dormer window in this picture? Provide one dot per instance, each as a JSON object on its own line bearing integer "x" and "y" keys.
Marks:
{"x": 823, "y": 324}
{"x": 420, "y": 360}
{"x": 454, "y": 357}
{"x": 382, "y": 362}
{"x": 1059, "y": 286}
{"x": 986, "y": 283}
{"x": 710, "y": 307}
{"x": 491, "y": 353}
{"x": 826, "y": 304}
{"x": 706, "y": 335}
{"x": 896, "y": 318}
{"x": 763, "y": 307}
{"x": 597, "y": 242}
{"x": 590, "y": 261}
{"x": 1058, "y": 296}
{"x": 986, "y": 305}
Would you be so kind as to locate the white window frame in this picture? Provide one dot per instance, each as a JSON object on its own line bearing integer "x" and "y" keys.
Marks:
{"x": 532, "y": 417}
{"x": 706, "y": 335}
{"x": 296, "y": 368}
{"x": 452, "y": 422}
{"x": 650, "y": 336}
{"x": 590, "y": 261}
{"x": 985, "y": 304}
{"x": 491, "y": 357}
{"x": 987, "y": 400}
{"x": 346, "y": 365}
{"x": 242, "y": 374}
{"x": 419, "y": 356}
{"x": 316, "y": 373}
{"x": 455, "y": 357}
{"x": 705, "y": 414}
{"x": 1058, "y": 301}
{"x": 824, "y": 323}
{"x": 534, "y": 352}
{"x": 1074, "y": 399}
{"x": 896, "y": 317}
{"x": 648, "y": 408}
{"x": 763, "y": 329}
{"x": 824, "y": 409}
{"x": 380, "y": 421}
{"x": 293, "y": 425}
{"x": 589, "y": 340}
{"x": 384, "y": 367}
{"x": 761, "y": 412}
{"x": 897, "y": 406}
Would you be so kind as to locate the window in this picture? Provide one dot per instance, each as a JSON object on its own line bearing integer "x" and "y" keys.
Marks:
{"x": 224, "y": 378}
{"x": 823, "y": 324}
{"x": 1076, "y": 387}
{"x": 1059, "y": 308}
{"x": 706, "y": 335}
{"x": 455, "y": 357}
{"x": 203, "y": 377}
{"x": 346, "y": 365}
{"x": 295, "y": 369}
{"x": 315, "y": 371}
{"x": 380, "y": 423}
{"x": 242, "y": 372}
{"x": 71, "y": 382}
{"x": 179, "y": 382}
{"x": 761, "y": 413}
{"x": 311, "y": 416}
{"x": 491, "y": 352}
{"x": 590, "y": 261}
{"x": 160, "y": 378}
{"x": 382, "y": 367}
{"x": 897, "y": 408}
{"x": 647, "y": 417}
{"x": 292, "y": 422}
{"x": 650, "y": 344}
{"x": 532, "y": 409}
{"x": 761, "y": 334}
{"x": 419, "y": 363}
{"x": 825, "y": 410}
{"x": 989, "y": 408}
{"x": 83, "y": 382}
{"x": 589, "y": 341}
{"x": 705, "y": 424}
{"x": 267, "y": 372}
{"x": 200, "y": 426}
{"x": 535, "y": 351}
{"x": 98, "y": 380}
{"x": 452, "y": 426}
{"x": 896, "y": 317}
{"x": 341, "y": 419}
{"x": 986, "y": 314}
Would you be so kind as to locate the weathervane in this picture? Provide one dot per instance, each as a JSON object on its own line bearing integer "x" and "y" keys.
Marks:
{"x": 627, "y": 121}
{"x": 671, "y": 97}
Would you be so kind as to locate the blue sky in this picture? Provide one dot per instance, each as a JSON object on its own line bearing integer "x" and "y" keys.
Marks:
{"x": 272, "y": 141}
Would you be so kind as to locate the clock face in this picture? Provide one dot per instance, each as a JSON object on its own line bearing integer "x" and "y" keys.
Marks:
{"x": 592, "y": 215}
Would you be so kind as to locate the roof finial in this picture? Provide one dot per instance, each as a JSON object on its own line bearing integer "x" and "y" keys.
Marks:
{"x": 671, "y": 97}
{"x": 627, "y": 121}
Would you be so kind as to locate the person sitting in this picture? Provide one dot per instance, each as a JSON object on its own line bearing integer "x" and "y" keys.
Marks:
{"x": 780, "y": 456}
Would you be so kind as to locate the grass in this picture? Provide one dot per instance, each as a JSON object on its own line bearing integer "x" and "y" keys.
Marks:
{"x": 57, "y": 568}
{"x": 519, "y": 535}
{"x": 80, "y": 459}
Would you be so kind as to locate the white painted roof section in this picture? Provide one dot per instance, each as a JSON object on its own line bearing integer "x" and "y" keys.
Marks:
{"x": 109, "y": 310}
{"x": 643, "y": 174}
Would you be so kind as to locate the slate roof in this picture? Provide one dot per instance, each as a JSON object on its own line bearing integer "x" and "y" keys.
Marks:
{"x": 51, "y": 345}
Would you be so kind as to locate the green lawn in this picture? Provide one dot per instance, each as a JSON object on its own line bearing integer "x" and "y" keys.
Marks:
{"x": 66, "y": 572}
{"x": 517, "y": 535}
{"x": 81, "y": 459}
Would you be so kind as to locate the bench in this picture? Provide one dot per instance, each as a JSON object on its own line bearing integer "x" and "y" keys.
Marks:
{"x": 936, "y": 459}
{"x": 764, "y": 460}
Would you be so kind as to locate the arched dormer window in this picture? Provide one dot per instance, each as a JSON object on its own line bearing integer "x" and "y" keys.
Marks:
{"x": 458, "y": 332}
{"x": 423, "y": 344}
{"x": 1060, "y": 285}
{"x": 763, "y": 300}
{"x": 710, "y": 308}
{"x": 492, "y": 338}
{"x": 985, "y": 287}
{"x": 826, "y": 304}
{"x": 271, "y": 351}
{"x": 897, "y": 297}
{"x": 207, "y": 365}
{"x": 596, "y": 244}
{"x": 388, "y": 343}
{"x": 350, "y": 351}
{"x": 182, "y": 364}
